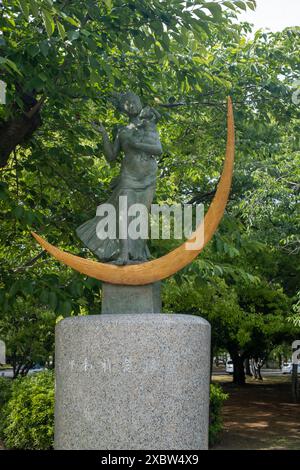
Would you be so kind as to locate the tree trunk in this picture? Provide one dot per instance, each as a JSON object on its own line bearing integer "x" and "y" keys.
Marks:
{"x": 14, "y": 364}
{"x": 256, "y": 365}
{"x": 25, "y": 368}
{"x": 295, "y": 384}
{"x": 239, "y": 377}
{"x": 247, "y": 367}
{"x": 259, "y": 376}
{"x": 211, "y": 361}
{"x": 20, "y": 128}
{"x": 17, "y": 370}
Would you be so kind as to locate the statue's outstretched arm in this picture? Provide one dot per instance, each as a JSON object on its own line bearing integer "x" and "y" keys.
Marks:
{"x": 111, "y": 150}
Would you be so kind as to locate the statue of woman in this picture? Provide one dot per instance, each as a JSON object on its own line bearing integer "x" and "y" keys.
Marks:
{"x": 140, "y": 143}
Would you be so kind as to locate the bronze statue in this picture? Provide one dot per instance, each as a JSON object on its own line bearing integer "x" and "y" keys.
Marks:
{"x": 139, "y": 140}
{"x": 167, "y": 265}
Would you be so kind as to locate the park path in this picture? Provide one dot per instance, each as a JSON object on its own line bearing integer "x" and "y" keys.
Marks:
{"x": 260, "y": 416}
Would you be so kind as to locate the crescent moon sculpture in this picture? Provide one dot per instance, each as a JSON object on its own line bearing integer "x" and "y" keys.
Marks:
{"x": 164, "y": 267}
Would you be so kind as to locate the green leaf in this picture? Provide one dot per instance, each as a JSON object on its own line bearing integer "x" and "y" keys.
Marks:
{"x": 10, "y": 64}
{"x": 34, "y": 7}
{"x": 215, "y": 9}
{"x": 241, "y": 5}
{"x": 73, "y": 35}
{"x": 43, "y": 76}
{"x": 44, "y": 47}
{"x": 251, "y": 5}
{"x": 139, "y": 42}
{"x": 229, "y": 5}
{"x": 71, "y": 20}
{"x": 29, "y": 217}
{"x": 65, "y": 307}
{"x": 61, "y": 30}
{"x": 36, "y": 83}
{"x": 44, "y": 296}
{"x": 48, "y": 21}
{"x": 11, "y": 20}
{"x": 33, "y": 50}
{"x": 24, "y": 7}
{"x": 14, "y": 289}
{"x": 27, "y": 287}
{"x": 4, "y": 191}
{"x": 108, "y": 4}
{"x": 219, "y": 245}
{"x": 85, "y": 32}
{"x": 158, "y": 51}
{"x": 157, "y": 27}
{"x": 52, "y": 300}
{"x": 18, "y": 212}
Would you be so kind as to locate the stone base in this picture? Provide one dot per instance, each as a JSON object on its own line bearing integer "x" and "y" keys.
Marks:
{"x": 132, "y": 382}
{"x": 131, "y": 299}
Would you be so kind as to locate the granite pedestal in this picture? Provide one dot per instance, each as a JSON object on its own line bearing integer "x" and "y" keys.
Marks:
{"x": 132, "y": 381}
{"x": 131, "y": 299}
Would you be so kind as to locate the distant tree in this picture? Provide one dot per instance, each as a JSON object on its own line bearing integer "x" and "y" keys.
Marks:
{"x": 29, "y": 336}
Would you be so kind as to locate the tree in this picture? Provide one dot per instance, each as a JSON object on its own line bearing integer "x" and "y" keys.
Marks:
{"x": 61, "y": 61}
{"x": 247, "y": 321}
{"x": 62, "y": 52}
{"x": 29, "y": 336}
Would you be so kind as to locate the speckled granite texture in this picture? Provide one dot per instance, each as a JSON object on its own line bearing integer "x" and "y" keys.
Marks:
{"x": 132, "y": 382}
{"x": 131, "y": 299}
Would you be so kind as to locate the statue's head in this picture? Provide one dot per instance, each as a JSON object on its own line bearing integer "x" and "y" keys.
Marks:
{"x": 149, "y": 114}
{"x": 128, "y": 103}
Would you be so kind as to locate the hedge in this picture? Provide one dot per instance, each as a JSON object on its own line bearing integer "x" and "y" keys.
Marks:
{"x": 217, "y": 398}
{"x": 28, "y": 416}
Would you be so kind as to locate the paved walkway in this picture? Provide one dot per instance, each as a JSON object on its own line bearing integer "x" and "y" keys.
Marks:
{"x": 260, "y": 416}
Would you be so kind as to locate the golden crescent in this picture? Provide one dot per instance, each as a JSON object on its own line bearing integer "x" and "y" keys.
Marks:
{"x": 161, "y": 268}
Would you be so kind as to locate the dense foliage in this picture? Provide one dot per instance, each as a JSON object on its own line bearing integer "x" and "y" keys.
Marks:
{"x": 27, "y": 419}
{"x": 217, "y": 398}
{"x": 5, "y": 391}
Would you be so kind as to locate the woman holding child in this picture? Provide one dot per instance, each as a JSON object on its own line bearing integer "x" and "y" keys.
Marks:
{"x": 139, "y": 140}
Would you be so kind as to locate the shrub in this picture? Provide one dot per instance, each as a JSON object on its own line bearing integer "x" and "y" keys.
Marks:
{"x": 5, "y": 390}
{"x": 217, "y": 398}
{"x": 28, "y": 417}
{"x": 5, "y": 395}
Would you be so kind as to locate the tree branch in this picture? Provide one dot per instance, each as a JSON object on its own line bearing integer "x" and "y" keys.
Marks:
{"x": 30, "y": 262}
{"x": 36, "y": 108}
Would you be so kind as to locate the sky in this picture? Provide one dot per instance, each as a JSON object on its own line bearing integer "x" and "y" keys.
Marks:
{"x": 274, "y": 14}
